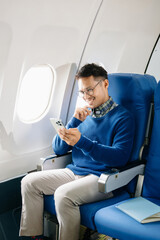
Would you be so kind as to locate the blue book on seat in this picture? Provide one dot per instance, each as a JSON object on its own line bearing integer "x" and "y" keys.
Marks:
{"x": 141, "y": 210}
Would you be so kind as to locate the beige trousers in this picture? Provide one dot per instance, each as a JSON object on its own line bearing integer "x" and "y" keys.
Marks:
{"x": 70, "y": 191}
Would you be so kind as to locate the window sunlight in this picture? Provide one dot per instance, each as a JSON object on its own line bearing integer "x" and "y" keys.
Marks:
{"x": 35, "y": 93}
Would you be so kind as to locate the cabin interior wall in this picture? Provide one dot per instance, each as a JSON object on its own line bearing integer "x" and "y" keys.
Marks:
{"x": 38, "y": 32}
{"x": 123, "y": 35}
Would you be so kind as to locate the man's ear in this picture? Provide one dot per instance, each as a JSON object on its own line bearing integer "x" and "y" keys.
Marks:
{"x": 106, "y": 83}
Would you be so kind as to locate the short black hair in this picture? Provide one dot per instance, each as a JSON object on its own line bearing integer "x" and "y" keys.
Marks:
{"x": 92, "y": 69}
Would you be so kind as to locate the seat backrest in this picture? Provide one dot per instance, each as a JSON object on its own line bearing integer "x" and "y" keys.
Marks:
{"x": 135, "y": 93}
{"x": 151, "y": 187}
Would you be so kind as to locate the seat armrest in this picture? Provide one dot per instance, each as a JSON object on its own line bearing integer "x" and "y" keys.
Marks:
{"x": 54, "y": 161}
{"x": 117, "y": 178}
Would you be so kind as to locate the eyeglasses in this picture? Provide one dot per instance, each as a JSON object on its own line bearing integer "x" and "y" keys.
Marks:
{"x": 89, "y": 91}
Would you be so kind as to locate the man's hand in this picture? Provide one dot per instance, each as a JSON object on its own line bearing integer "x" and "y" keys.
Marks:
{"x": 70, "y": 136}
{"x": 82, "y": 113}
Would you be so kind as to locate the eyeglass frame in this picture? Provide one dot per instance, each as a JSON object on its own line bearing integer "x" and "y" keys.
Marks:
{"x": 90, "y": 89}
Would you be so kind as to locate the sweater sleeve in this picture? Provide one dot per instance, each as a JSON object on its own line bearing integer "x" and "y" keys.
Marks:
{"x": 59, "y": 146}
{"x": 116, "y": 155}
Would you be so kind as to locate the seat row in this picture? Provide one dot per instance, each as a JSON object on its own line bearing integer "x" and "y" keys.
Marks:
{"x": 135, "y": 92}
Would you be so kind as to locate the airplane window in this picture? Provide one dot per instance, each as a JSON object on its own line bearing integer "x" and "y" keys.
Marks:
{"x": 153, "y": 66}
{"x": 35, "y": 93}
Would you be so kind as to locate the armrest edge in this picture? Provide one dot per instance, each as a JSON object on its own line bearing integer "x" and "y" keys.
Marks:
{"x": 113, "y": 181}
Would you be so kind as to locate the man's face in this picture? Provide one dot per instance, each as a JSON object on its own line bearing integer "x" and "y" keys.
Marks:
{"x": 99, "y": 95}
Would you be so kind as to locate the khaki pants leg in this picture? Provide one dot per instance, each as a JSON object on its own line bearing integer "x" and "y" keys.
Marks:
{"x": 69, "y": 191}
{"x": 69, "y": 197}
{"x": 33, "y": 186}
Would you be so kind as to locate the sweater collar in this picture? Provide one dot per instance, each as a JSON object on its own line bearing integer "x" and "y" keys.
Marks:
{"x": 103, "y": 109}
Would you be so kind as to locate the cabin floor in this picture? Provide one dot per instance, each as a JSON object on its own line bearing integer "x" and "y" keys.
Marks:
{"x": 87, "y": 234}
{"x": 9, "y": 225}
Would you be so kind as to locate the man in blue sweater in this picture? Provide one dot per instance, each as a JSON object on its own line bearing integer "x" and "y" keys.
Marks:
{"x": 100, "y": 136}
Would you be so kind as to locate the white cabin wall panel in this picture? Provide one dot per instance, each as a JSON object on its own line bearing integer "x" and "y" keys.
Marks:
{"x": 5, "y": 42}
{"x": 53, "y": 33}
{"x": 14, "y": 165}
{"x": 136, "y": 53}
{"x": 32, "y": 45}
{"x": 124, "y": 34}
{"x": 154, "y": 64}
{"x": 48, "y": 26}
{"x": 54, "y": 45}
{"x": 42, "y": 32}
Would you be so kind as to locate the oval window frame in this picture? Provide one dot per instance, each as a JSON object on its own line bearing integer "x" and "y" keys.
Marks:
{"x": 41, "y": 114}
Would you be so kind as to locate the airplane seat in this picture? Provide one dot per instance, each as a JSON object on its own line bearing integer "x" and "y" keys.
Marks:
{"x": 135, "y": 92}
{"x": 136, "y": 96}
{"x": 115, "y": 223}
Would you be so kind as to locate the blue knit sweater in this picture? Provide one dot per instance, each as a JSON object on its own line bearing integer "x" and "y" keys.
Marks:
{"x": 105, "y": 142}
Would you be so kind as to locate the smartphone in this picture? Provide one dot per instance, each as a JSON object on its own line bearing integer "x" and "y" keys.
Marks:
{"x": 57, "y": 123}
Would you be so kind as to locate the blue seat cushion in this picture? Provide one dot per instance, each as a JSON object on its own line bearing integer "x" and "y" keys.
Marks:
{"x": 113, "y": 222}
{"x": 87, "y": 210}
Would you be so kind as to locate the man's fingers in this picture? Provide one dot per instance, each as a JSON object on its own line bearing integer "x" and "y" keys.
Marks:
{"x": 70, "y": 136}
{"x": 82, "y": 113}
{"x": 87, "y": 109}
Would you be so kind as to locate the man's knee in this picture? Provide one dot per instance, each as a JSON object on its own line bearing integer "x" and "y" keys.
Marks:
{"x": 63, "y": 198}
{"x": 27, "y": 183}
